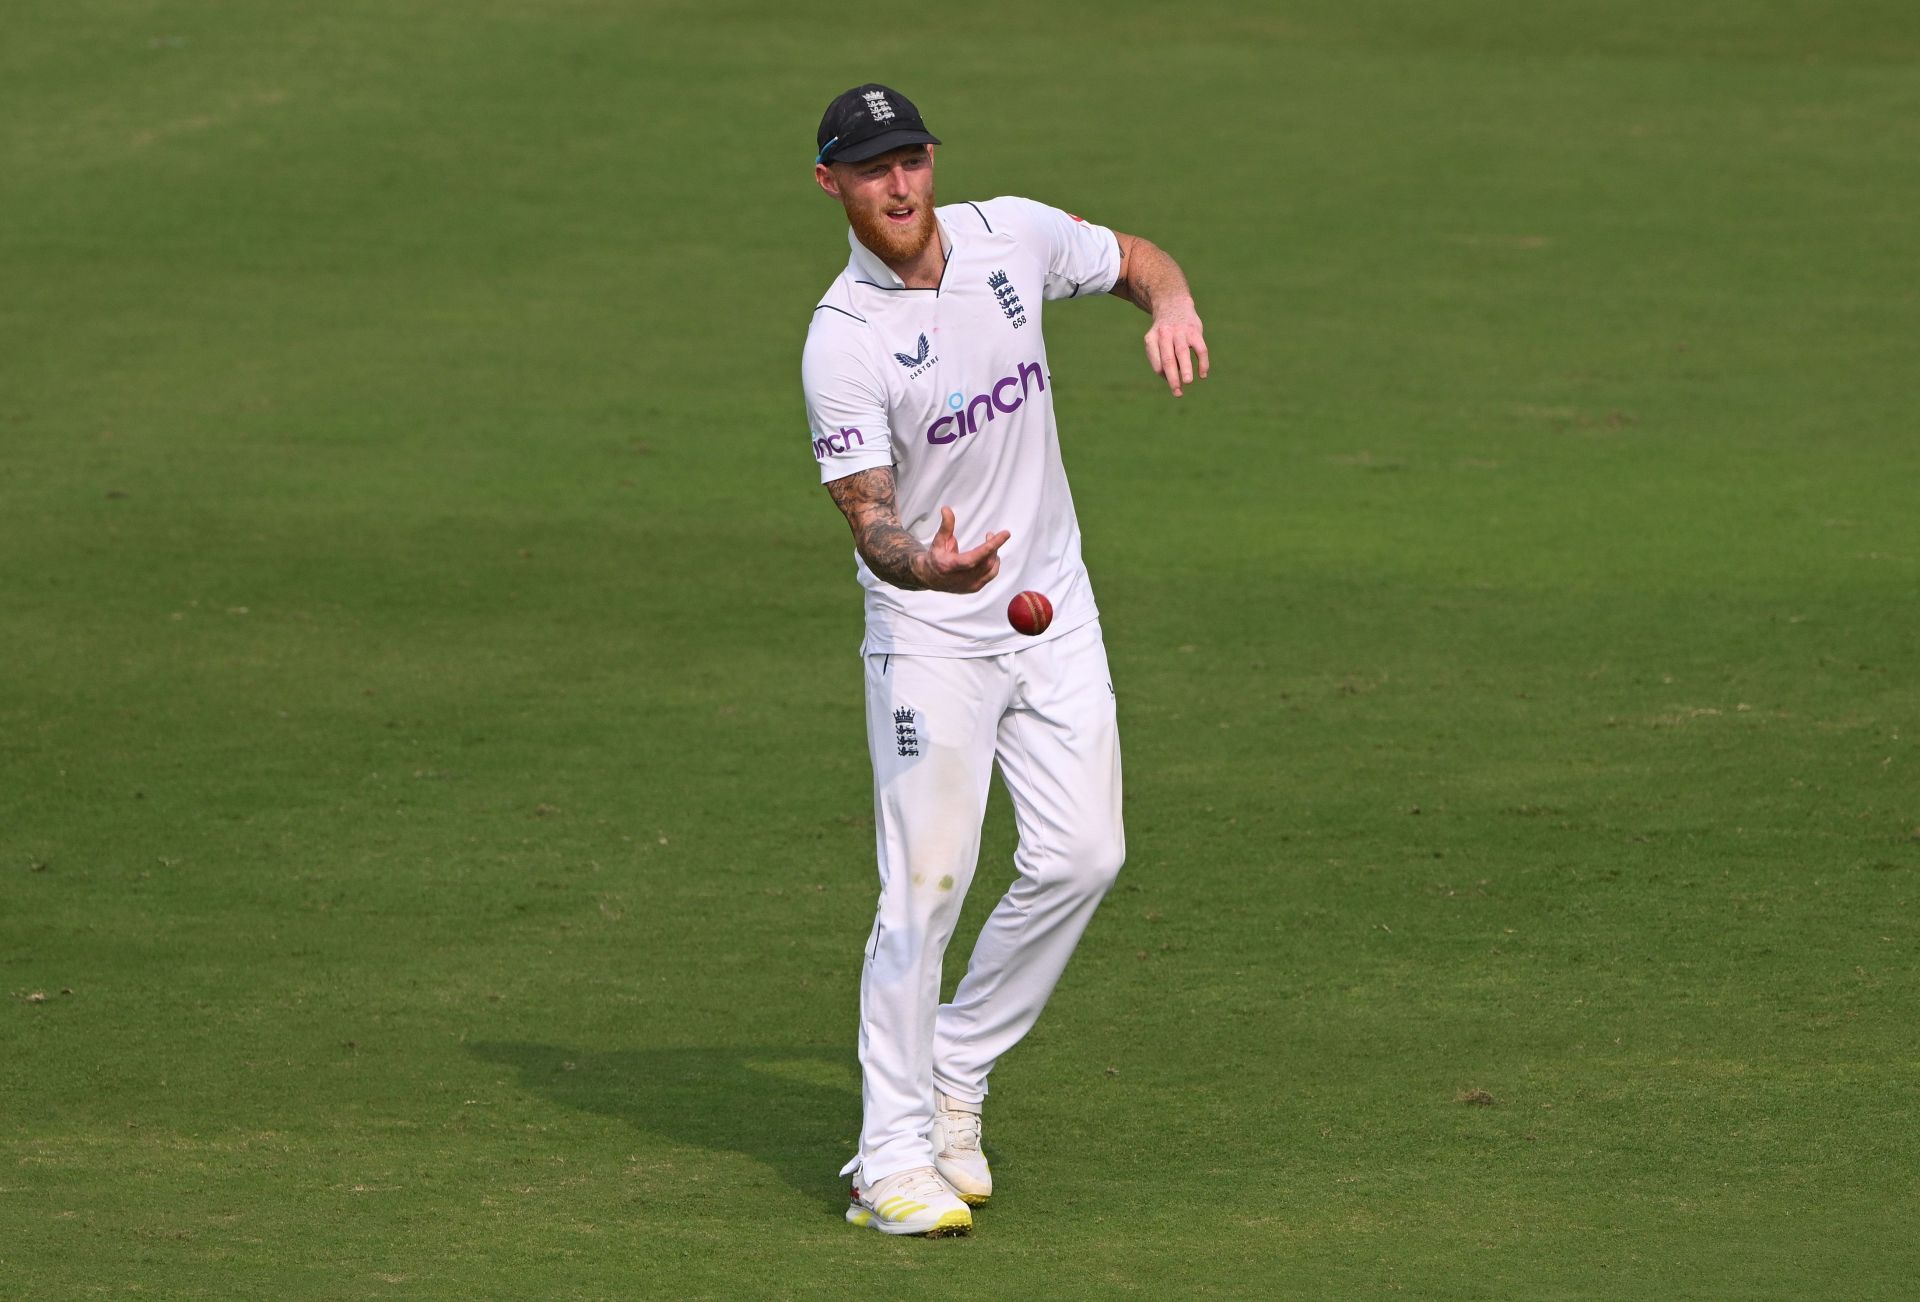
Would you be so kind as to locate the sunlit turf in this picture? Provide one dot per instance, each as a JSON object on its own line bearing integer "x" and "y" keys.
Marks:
{"x": 435, "y": 840}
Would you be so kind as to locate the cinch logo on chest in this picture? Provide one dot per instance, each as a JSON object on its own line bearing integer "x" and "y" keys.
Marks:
{"x": 1004, "y": 395}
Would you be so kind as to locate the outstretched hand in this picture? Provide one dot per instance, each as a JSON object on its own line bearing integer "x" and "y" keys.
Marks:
{"x": 1176, "y": 335}
{"x": 948, "y": 569}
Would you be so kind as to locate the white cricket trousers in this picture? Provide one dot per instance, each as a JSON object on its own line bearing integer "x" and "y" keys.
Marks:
{"x": 936, "y": 727}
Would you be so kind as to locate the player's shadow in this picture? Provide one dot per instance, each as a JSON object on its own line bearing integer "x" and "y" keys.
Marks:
{"x": 795, "y": 1109}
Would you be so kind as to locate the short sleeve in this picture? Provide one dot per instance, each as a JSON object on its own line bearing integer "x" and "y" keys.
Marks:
{"x": 1082, "y": 259}
{"x": 846, "y": 405}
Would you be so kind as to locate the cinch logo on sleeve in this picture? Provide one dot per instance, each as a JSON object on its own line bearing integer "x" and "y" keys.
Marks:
{"x": 841, "y": 442}
{"x": 1004, "y": 395}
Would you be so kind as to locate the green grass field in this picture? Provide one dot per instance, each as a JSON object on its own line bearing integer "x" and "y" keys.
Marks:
{"x": 435, "y": 840}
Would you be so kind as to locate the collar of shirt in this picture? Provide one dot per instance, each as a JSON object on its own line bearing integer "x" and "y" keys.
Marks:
{"x": 866, "y": 263}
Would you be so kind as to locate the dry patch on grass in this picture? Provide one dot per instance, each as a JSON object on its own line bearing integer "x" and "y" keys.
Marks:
{"x": 1573, "y": 418}
{"x": 1500, "y": 241}
{"x": 206, "y": 121}
{"x": 1367, "y": 461}
{"x": 1683, "y": 715}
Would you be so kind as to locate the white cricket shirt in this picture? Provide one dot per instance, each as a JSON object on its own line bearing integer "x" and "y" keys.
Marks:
{"x": 950, "y": 387}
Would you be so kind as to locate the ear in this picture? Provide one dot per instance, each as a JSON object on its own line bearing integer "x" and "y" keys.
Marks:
{"x": 824, "y": 178}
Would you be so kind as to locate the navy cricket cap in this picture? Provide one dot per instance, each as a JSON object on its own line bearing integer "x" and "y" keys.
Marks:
{"x": 868, "y": 121}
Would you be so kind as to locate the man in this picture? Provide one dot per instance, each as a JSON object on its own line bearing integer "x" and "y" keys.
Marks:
{"x": 931, "y": 408}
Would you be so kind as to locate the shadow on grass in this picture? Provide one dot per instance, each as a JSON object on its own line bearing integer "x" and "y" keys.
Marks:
{"x": 795, "y": 1109}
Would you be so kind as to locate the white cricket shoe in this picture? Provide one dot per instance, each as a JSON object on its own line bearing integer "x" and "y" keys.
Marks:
{"x": 956, "y": 1149}
{"x": 909, "y": 1202}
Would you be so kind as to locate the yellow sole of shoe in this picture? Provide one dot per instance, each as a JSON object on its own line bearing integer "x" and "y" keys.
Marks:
{"x": 951, "y": 1223}
{"x": 975, "y": 1200}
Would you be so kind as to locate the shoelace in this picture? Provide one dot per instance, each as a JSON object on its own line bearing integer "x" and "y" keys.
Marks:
{"x": 962, "y": 1131}
{"x": 922, "y": 1183}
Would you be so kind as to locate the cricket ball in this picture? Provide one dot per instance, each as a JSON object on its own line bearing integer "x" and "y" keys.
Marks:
{"x": 1030, "y": 613}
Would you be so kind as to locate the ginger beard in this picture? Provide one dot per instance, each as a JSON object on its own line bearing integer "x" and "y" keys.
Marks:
{"x": 893, "y": 241}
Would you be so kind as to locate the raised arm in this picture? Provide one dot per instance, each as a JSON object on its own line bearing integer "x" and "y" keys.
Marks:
{"x": 866, "y": 498}
{"x": 1152, "y": 281}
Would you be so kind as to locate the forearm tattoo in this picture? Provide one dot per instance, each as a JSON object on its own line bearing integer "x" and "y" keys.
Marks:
{"x": 866, "y": 499}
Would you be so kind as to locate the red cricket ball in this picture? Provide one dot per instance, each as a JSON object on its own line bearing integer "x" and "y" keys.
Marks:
{"x": 1030, "y": 613}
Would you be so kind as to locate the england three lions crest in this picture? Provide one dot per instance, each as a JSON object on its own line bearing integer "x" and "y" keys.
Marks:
{"x": 1008, "y": 297}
